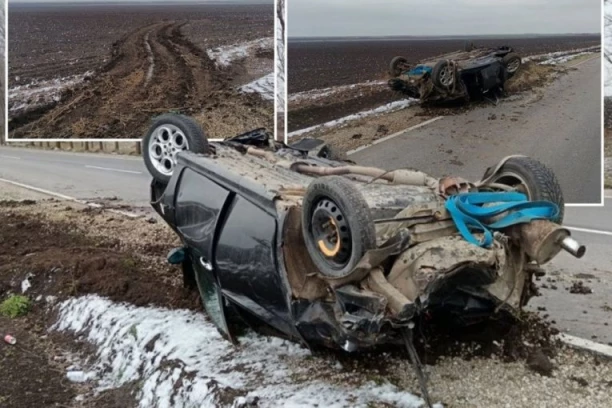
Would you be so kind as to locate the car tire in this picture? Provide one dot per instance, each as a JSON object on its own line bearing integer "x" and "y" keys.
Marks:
{"x": 443, "y": 74}
{"x": 540, "y": 181}
{"x": 512, "y": 62}
{"x": 331, "y": 153}
{"x": 168, "y": 135}
{"x": 395, "y": 69}
{"x": 336, "y": 198}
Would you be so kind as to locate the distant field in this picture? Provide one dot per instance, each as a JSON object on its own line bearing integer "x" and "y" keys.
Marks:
{"x": 320, "y": 63}
{"x": 47, "y": 42}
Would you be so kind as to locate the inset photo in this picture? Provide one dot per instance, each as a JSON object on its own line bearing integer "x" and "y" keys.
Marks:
{"x": 452, "y": 90}
{"x": 105, "y": 71}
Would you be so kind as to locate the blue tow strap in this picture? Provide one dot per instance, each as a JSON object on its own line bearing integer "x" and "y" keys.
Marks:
{"x": 470, "y": 214}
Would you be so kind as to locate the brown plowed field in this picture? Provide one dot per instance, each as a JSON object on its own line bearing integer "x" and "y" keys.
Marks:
{"x": 155, "y": 68}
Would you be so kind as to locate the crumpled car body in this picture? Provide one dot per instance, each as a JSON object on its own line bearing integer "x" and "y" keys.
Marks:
{"x": 463, "y": 75}
{"x": 238, "y": 211}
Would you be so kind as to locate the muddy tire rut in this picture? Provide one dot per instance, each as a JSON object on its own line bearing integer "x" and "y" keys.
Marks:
{"x": 153, "y": 70}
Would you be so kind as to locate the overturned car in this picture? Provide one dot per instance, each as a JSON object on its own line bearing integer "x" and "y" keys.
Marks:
{"x": 330, "y": 253}
{"x": 466, "y": 75}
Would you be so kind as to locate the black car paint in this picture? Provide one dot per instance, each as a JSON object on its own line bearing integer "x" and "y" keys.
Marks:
{"x": 233, "y": 225}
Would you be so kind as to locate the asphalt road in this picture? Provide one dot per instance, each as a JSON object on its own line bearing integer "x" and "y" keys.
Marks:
{"x": 98, "y": 176}
{"x": 84, "y": 176}
{"x": 562, "y": 129}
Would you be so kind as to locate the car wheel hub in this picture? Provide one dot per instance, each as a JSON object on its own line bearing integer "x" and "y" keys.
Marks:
{"x": 513, "y": 66}
{"x": 447, "y": 76}
{"x": 167, "y": 141}
{"x": 515, "y": 181}
{"x": 331, "y": 234}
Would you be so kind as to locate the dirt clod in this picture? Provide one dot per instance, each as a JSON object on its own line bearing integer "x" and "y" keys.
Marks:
{"x": 538, "y": 362}
{"x": 578, "y": 287}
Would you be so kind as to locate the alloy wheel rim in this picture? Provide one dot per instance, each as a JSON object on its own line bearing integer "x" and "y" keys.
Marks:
{"x": 165, "y": 144}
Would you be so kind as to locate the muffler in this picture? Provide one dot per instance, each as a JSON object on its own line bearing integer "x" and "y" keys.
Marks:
{"x": 543, "y": 240}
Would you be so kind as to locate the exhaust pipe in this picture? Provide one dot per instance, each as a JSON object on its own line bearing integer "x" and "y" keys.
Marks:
{"x": 543, "y": 240}
{"x": 573, "y": 247}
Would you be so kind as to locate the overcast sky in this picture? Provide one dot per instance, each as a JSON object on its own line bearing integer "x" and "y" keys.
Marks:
{"x": 321, "y": 18}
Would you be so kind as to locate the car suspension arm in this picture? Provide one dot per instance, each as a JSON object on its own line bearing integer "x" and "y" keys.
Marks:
{"x": 407, "y": 333}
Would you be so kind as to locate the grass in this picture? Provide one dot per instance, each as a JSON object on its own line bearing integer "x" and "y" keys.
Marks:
{"x": 128, "y": 263}
{"x": 15, "y": 306}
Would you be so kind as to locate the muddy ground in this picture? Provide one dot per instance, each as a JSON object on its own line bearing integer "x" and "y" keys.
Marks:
{"x": 323, "y": 63}
{"x": 55, "y": 41}
{"x": 67, "y": 250}
{"x": 147, "y": 61}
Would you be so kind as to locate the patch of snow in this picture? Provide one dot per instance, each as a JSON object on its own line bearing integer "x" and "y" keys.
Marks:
{"x": 224, "y": 56}
{"x": 557, "y": 54}
{"x": 150, "y": 60}
{"x": 388, "y": 108}
{"x": 79, "y": 376}
{"x": 39, "y": 93}
{"x": 316, "y": 94}
{"x": 182, "y": 361}
{"x": 263, "y": 86}
{"x": 26, "y": 284}
{"x": 562, "y": 59}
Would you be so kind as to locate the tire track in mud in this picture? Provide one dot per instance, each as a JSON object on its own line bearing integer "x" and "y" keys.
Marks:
{"x": 153, "y": 70}
{"x": 150, "y": 59}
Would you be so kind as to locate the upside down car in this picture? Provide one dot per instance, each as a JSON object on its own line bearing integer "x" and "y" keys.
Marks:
{"x": 330, "y": 253}
{"x": 464, "y": 74}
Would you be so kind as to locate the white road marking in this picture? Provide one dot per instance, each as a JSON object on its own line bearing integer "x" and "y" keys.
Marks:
{"x": 582, "y": 62}
{"x": 384, "y": 139}
{"x": 118, "y": 170}
{"x": 10, "y": 157}
{"x": 68, "y": 198}
{"x": 42, "y": 190}
{"x": 27, "y": 150}
{"x": 589, "y": 231}
{"x": 585, "y": 344}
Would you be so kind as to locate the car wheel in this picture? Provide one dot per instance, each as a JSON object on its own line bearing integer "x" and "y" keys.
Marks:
{"x": 512, "y": 62}
{"x": 337, "y": 225}
{"x": 330, "y": 153}
{"x": 397, "y": 66}
{"x": 532, "y": 178}
{"x": 169, "y": 135}
{"x": 443, "y": 74}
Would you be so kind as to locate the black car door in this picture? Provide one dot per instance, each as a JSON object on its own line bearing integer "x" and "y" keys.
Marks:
{"x": 198, "y": 204}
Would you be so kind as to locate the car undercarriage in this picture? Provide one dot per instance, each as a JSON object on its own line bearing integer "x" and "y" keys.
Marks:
{"x": 331, "y": 253}
{"x": 466, "y": 75}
